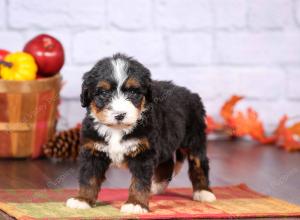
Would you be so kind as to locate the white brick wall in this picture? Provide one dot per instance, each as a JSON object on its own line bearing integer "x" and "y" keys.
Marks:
{"x": 293, "y": 85}
{"x": 183, "y": 15}
{"x": 214, "y": 47}
{"x": 89, "y": 46}
{"x": 297, "y": 11}
{"x": 269, "y": 14}
{"x": 230, "y": 13}
{"x": 190, "y": 48}
{"x": 56, "y": 14}
{"x": 261, "y": 48}
{"x": 2, "y": 14}
{"x": 134, "y": 15}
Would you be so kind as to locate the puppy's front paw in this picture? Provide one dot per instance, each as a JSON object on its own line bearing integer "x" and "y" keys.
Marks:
{"x": 204, "y": 196}
{"x": 77, "y": 204}
{"x": 133, "y": 209}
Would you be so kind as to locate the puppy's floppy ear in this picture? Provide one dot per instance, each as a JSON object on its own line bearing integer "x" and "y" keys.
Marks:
{"x": 86, "y": 96}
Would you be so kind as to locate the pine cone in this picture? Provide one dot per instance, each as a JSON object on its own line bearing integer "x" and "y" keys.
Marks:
{"x": 64, "y": 144}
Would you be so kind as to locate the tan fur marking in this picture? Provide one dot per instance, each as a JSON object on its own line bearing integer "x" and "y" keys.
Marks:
{"x": 177, "y": 167}
{"x": 119, "y": 126}
{"x": 91, "y": 145}
{"x": 143, "y": 145}
{"x": 100, "y": 114}
{"x": 136, "y": 196}
{"x": 196, "y": 161}
{"x": 89, "y": 193}
{"x": 196, "y": 174}
{"x": 103, "y": 84}
{"x": 142, "y": 106}
{"x": 144, "y": 142}
{"x": 132, "y": 83}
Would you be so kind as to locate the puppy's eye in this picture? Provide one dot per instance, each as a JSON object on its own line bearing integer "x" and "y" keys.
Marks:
{"x": 133, "y": 91}
{"x": 102, "y": 92}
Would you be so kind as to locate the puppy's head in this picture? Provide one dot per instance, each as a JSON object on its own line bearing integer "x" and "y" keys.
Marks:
{"x": 116, "y": 91}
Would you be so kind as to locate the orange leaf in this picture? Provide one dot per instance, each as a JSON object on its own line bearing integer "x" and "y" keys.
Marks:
{"x": 290, "y": 143}
{"x": 212, "y": 125}
{"x": 249, "y": 124}
{"x": 239, "y": 124}
{"x": 295, "y": 129}
{"x": 281, "y": 124}
{"x": 227, "y": 109}
{"x": 285, "y": 136}
{"x": 256, "y": 129}
{"x": 280, "y": 130}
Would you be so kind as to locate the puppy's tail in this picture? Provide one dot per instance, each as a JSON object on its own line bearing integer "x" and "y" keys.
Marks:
{"x": 179, "y": 157}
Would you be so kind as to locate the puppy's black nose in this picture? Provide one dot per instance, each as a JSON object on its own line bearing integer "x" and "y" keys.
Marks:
{"x": 120, "y": 117}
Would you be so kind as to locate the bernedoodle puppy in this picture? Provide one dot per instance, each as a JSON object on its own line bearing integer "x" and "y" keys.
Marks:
{"x": 148, "y": 126}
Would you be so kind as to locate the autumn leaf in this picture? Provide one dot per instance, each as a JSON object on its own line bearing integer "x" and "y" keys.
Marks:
{"x": 289, "y": 141}
{"x": 286, "y": 136}
{"x": 249, "y": 124}
{"x": 242, "y": 123}
{"x": 239, "y": 124}
{"x": 227, "y": 109}
{"x": 210, "y": 124}
{"x": 295, "y": 129}
{"x": 279, "y": 131}
{"x": 293, "y": 137}
{"x": 256, "y": 128}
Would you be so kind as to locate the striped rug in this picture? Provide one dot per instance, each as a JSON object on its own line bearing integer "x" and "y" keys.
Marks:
{"x": 232, "y": 202}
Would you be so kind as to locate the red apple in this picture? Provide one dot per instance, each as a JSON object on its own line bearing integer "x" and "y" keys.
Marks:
{"x": 48, "y": 53}
{"x": 3, "y": 53}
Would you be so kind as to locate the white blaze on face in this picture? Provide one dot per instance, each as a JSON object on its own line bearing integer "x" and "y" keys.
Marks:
{"x": 120, "y": 67}
{"x": 120, "y": 104}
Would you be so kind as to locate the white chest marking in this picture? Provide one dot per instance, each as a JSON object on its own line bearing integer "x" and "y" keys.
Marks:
{"x": 116, "y": 148}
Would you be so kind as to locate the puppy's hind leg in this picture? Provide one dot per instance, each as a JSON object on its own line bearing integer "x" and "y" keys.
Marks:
{"x": 198, "y": 173}
{"x": 180, "y": 157}
{"x": 195, "y": 141}
{"x": 162, "y": 176}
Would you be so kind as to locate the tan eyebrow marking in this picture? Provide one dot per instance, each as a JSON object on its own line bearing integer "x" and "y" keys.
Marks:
{"x": 132, "y": 83}
{"x": 103, "y": 84}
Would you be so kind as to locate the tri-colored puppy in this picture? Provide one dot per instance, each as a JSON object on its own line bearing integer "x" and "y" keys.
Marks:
{"x": 141, "y": 124}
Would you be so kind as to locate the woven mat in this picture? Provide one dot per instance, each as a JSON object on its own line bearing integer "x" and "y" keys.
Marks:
{"x": 232, "y": 202}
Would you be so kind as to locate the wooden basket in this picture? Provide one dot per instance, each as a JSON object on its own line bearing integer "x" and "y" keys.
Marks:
{"x": 28, "y": 115}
